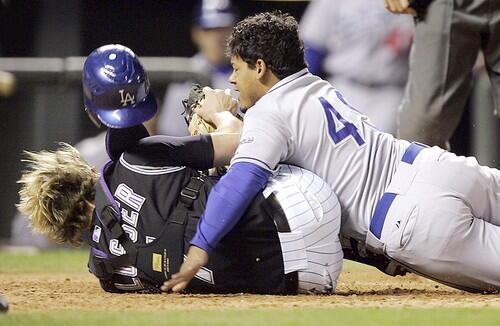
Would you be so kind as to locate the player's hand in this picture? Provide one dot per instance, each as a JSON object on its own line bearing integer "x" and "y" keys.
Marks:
{"x": 400, "y": 7}
{"x": 196, "y": 258}
{"x": 215, "y": 101}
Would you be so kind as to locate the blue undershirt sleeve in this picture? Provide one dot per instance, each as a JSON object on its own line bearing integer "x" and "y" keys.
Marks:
{"x": 227, "y": 202}
{"x": 315, "y": 57}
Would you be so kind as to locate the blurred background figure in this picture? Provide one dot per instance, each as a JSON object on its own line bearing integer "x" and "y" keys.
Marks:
{"x": 212, "y": 23}
{"x": 363, "y": 51}
{"x": 442, "y": 68}
{"x": 7, "y": 84}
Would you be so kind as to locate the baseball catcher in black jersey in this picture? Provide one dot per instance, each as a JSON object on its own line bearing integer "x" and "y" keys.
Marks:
{"x": 138, "y": 252}
{"x": 140, "y": 212}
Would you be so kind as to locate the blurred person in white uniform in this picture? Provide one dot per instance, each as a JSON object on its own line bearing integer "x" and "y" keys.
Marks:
{"x": 363, "y": 51}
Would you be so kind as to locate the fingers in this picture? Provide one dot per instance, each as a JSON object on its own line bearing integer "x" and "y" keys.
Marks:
{"x": 397, "y": 6}
{"x": 391, "y": 5}
{"x": 180, "y": 287}
{"x": 196, "y": 258}
{"x": 234, "y": 106}
{"x": 207, "y": 89}
{"x": 167, "y": 285}
{"x": 177, "y": 283}
{"x": 216, "y": 100}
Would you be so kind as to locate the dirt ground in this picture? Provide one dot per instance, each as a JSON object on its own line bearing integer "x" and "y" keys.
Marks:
{"x": 360, "y": 287}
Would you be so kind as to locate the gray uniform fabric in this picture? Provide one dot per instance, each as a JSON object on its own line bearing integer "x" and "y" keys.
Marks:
{"x": 367, "y": 53}
{"x": 444, "y": 221}
{"x": 446, "y": 45}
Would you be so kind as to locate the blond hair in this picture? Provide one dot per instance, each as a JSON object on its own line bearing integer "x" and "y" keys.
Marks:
{"x": 55, "y": 191}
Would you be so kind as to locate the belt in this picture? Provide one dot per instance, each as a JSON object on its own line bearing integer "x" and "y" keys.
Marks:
{"x": 378, "y": 219}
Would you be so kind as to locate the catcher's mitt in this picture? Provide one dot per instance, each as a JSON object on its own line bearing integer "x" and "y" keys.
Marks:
{"x": 196, "y": 125}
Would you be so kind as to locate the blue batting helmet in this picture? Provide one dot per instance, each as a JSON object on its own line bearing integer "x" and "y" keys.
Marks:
{"x": 116, "y": 88}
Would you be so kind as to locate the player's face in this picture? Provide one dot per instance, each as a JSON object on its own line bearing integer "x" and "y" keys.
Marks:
{"x": 212, "y": 43}
{"x": 245, "y": 80}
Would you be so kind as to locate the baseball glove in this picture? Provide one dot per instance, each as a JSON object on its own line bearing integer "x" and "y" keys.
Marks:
{"x": 196, "y": 125}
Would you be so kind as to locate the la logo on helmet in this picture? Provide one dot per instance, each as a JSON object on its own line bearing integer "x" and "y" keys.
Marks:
{"x": 126, "y": 98}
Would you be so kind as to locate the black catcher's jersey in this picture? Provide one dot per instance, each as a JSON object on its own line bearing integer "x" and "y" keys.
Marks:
{"x": 145, "y": 183}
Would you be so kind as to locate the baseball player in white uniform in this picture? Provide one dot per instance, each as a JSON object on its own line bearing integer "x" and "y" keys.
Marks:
{"x": 363, "y": 50}
{"x": 426, "y": 209}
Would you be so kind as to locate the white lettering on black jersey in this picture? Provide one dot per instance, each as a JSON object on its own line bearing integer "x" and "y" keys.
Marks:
{"x": 127, "y": 195}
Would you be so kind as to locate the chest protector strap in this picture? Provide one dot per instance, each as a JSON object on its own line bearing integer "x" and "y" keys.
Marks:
{"x": 171, "y": 241}
{"x": 102, "y": 263}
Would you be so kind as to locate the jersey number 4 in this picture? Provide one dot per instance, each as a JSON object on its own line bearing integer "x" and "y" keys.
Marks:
{"x": 348, "y": 129}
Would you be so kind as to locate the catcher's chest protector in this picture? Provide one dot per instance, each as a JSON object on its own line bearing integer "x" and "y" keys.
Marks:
{"x": 248, "y": 259}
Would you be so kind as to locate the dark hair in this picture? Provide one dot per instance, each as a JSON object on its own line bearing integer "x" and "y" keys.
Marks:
{"x": 272, "y": 37}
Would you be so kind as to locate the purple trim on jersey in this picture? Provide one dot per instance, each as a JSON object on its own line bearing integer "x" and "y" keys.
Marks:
{"x": 106, "y": 190}
{"x": 99, "y": 253}
{"x": 227, "y": 202}
{"x": 315, "y": 57}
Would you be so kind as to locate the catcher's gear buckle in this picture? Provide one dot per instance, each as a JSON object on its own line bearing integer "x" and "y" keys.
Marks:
{"x": 191, "y": 192}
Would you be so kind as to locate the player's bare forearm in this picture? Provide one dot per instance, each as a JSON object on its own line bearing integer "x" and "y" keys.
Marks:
{"x": 196, "y": 258}
{"x": 225, "y": 145}
{"x": 226, "y": 137}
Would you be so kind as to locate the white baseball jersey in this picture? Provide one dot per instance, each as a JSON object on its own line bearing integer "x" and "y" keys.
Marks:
{"x": 313, "y": 212}
{"x": 367, "y": 50}
{"x": 364, "y": 41}
{"x": 304, "y": 121}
